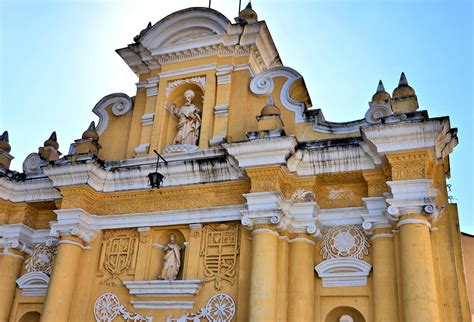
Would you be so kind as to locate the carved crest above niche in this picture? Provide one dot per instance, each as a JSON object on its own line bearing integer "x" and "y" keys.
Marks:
{"x": 200, "y": 81}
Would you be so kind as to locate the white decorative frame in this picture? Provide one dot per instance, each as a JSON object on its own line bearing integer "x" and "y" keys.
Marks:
{"x": 164, "y": 288}
{"x": 341, "y": 272}
{"x": 263, "y": 85}
{"x": 33, "y": 284}
{"x": 199, "y": 80}
{"x": 122, "y": 104}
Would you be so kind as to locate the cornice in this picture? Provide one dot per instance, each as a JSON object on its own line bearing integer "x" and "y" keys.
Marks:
{"x": 260, "y": 152}
{"x": 40, "y": 189}
{"x": 22, "y": 237}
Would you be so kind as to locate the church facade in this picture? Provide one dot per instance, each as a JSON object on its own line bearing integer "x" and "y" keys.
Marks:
{"x": 218, "y": 193}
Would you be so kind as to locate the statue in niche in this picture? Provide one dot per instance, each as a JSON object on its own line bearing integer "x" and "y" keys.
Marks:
{"x": 171, "y": 260}
{"x": 189, "y": 120}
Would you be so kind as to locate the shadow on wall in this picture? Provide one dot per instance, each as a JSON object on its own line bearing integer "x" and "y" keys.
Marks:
{"x": 344, "y": 314}
{"x": 31, "y": 317}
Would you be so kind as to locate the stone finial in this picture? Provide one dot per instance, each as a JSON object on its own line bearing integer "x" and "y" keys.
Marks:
{"x": 247, "y": 16}
{"x": 91, "y": 132}
{"x": 403, "y": 80}
{"x": 380, "y": 87}
{"x": 4, "y": 144}
{"x": 404, "y": 99}
{"x": 89, "y": 143}
{"x": 380, "y": 96}
{"x": 49, "y": 151}
{"x": 269, "y": 122}
{"x": 5, "y": 148}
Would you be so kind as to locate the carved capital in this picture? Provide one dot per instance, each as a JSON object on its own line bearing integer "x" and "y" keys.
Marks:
{"x": 409, "y": 197}
{"x": 74, "y": 222}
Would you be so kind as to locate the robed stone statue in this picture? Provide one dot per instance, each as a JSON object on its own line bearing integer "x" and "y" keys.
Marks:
{"x": 189, "y": 120}
{"x": 171, "y": 260}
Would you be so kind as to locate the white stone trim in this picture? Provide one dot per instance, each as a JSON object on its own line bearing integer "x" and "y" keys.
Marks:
{"x": 248, "y": 67}
{"x": 163, "y": 305}
{"x": 148, "y": 119}
{"x": 22, "y": 237}
{"x": 381, "y": 236}
{"x": 221, "y": 110}
{"x": 160, "y": 288}
{"x": 413, "y": 221}
{"x": 33, "y": 284}
{"x": 224, "y": 74}
{"x": 151, "y": 86}
{"x": 262, "y": 151}
{"x": 264, "y": 230}
{"x": 263, "y": 84}
{"x": 29, "y": 190}
{"x": 189, "y": 70}
{"x": 75, "y": 243}
{"x": 121, "y": 105}
{"x": 142, "y": 148}
{"x": 74, "y": 222}
{"x": 343, "y": 272}
{"x": 301, "y": 239}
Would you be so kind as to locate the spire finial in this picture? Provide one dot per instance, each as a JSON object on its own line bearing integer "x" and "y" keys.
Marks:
{"x": 380, "y": 87}
{"x": 403, "y": 80}
{"x": 91, "y": 132}
{"x": 53, "y": 136}
{"x": 4, "y": 137}
{"x": 52, "y": 141}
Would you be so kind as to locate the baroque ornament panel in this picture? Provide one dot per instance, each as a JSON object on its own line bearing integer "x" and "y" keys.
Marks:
{"x": 219, "y": 308}
{"x": 220, "y": 247}
{"x": 41, "y": 259}
{"x": 344, "y": 242}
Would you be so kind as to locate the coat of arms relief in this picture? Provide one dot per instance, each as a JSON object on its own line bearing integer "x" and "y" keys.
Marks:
{"x": 220, "y": 247}
{"x": 118, "y": 254}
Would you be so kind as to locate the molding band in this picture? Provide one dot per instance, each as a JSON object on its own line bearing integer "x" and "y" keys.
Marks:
{"x": 72, "y": 242}
{"x": 7, "y": 253}
{"x": 381, "y": 236}
{"x": 302, "y": 239}
{"x": 413, "y": 221}
{"x": 265, "y": 230}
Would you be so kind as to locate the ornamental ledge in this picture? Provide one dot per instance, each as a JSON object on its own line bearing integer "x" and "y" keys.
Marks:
{"x": 343, "y": 272}
{"x": 178, "y": 288}
{"x": 33, "y": 284}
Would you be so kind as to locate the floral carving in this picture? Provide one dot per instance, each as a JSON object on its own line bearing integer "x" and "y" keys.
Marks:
{"x": 107, "y": 307}
{"x": 344, "y": 241}
{"x": 219, "y": 308}
{"x": 41, "y": 259}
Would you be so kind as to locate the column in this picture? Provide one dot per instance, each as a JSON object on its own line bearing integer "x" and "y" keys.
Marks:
{"x": 301, "y": 280}
{"x": 282, "y": 278}
{"x": 384, "y": 275}
{"x": 10, "y": 268}
{"x": 420, "y": 303}
{"x": 263, "y": 280}
{"x": 63, "y": 277}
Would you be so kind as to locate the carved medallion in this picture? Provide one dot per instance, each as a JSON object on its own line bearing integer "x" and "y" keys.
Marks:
{"x": 220, "y": 308}
{"x": 107, "y": 307}
{"x": 41, "y": 259}
{"x": 220, "y": 248}
{"x": 344, "y": 241}
{"x": 119, "y": 252}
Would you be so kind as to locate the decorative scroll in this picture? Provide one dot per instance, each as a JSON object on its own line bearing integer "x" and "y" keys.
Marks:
{"x": 119, "y": 249}
{"x": 41, "y": 259}
{"x": 219, "y": 308}
{"x": 344, "y": 241}
{"x": 220, "y": 247}
{"x": 302, "y": 195}
{"x": 107, "y": 307}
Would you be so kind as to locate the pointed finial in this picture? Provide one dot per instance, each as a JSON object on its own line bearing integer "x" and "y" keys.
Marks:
{"x": 380, "y": 87}
{"x": 91, "y": 132}
{"x": 249, "y": 5}
{"x": 4, "y": 137}
{"x": 403, "y": 80}
{"x": 52, "y": 141}
{"x": 4, "y": 145}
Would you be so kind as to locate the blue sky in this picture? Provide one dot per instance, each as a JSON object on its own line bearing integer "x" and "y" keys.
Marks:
{"x": 57, "y": 60}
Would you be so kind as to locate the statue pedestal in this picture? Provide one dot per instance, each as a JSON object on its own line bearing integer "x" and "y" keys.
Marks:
{"x": 180, "y": 148}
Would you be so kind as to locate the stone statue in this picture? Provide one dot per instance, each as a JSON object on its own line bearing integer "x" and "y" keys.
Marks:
{"x": 189, "y": 120}
{"x": 172, "y": 259}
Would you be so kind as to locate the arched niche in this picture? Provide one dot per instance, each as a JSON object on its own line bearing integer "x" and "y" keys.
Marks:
{"x": 31, "y": 316}
{"x": 344, "y": 314}
{"x": 175, "y": 95}
{"x": 162, "y": 237}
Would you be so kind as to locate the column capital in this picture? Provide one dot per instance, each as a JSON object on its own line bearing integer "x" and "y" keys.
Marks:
{"x": 412, "y": 197}
{"x": 74, "y": 222}
{"x": 22, "y": 238}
